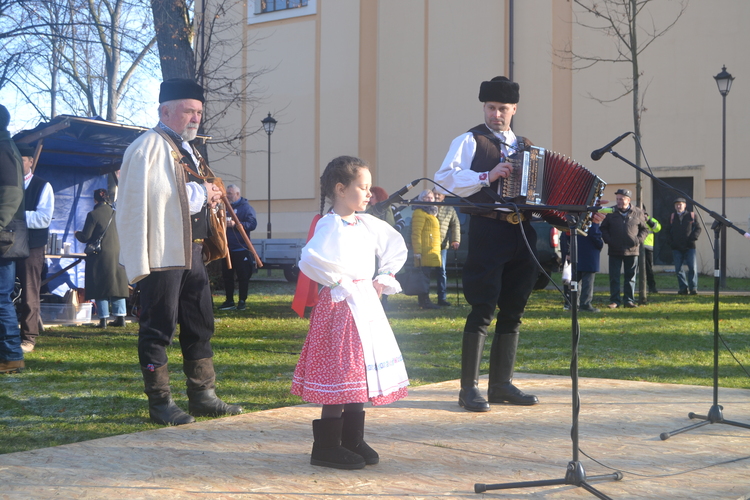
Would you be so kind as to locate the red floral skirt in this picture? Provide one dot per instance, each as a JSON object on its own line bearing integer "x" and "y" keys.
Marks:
{"x": 331, "y": 367}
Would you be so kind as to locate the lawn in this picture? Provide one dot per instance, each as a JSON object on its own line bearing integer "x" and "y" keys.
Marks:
{"x": 82, "y": 383}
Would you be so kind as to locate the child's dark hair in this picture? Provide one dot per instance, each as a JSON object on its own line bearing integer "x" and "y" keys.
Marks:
{"x": 343, "y": 169}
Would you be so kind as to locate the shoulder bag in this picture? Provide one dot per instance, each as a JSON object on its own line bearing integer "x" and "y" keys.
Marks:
{"x": 14, "y": 240}
{"x": 95, "y": 247}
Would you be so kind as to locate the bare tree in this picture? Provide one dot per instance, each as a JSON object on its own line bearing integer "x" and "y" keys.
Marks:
{"x": 218, "y": 50}
{"x": 82, "y": 54}
{"x": 631, "y": 29}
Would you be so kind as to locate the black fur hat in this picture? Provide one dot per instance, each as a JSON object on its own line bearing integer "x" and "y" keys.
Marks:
{"x": 499, "y": 89}
{"x": 180, "y": 88}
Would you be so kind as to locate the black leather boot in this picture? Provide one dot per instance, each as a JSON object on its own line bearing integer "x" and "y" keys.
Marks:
{"x": 201, "y": 390}
{"x": 119, "y": 321}
{"x": 471, "y": 357}
{"x": 352, "y": 436}
{"x": 502, "y": 363}
{"x": 161, "y": 408}
{"x": 327, "y": 450}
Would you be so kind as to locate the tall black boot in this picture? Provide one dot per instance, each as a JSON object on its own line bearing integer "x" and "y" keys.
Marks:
{"x": 327, "y": 450}
{"x": 471, "y": 357}
{"x": 502, "y": 363}
{"x": 352, "y": 436}
{"x": 201, "y": 390}
{"x": 161, "y": 408}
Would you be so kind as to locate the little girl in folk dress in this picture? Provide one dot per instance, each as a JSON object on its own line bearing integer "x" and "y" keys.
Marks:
{"x": 350, "y": 355}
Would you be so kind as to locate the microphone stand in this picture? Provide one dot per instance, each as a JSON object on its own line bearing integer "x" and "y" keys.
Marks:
{"x": 715, "y": 415}
{"x": 575, "y": 474}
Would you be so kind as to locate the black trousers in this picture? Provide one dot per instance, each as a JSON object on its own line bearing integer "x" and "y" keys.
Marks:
{"x": 500, "y": 271}
{"x": 173, "y": 297}
{"x": 242, "y": 264}
{"x": 649, "y": 258}
{"x": 29, "y": 272}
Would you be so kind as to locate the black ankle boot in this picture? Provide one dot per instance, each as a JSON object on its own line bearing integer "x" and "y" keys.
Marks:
{"x": 102, "y": 323}
{"x": 471, "y": 357}
{"x": 502, "y": 363}
{"x": 352, "y": 436}
{"x": 327, "y": 450}
{"x": 161, "y": 409}
{"x": 119, "y": 321}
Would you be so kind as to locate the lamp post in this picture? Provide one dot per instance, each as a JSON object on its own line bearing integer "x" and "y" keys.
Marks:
{"x": 268, "y": 125}
{"x": 724, "y": 82}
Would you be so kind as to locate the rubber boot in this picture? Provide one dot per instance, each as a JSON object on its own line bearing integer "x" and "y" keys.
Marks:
{"x": 502, "y": 363}
{"x": 161, "y": 408}
{"x": 201, "y": 390}
{"x": 471, "y": 357}
{"x": 352, "y": 436}
{"x": 327, "y": 450}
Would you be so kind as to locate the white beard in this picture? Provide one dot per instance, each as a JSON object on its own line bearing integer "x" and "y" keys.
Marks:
{"x": 189, "y": 134}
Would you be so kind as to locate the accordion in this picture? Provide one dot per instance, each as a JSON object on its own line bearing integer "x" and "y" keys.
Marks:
{"x": 542, "y": 177}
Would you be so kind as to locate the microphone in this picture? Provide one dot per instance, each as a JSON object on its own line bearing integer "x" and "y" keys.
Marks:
{"x": 382, "y": 206}
{"x": 597, "y": 154}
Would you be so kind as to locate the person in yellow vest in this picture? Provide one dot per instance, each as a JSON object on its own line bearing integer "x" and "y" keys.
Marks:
{"x": 654, "y": 226}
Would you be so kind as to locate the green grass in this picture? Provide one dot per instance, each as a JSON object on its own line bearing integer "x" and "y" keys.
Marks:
{"x": 82, "y": 383}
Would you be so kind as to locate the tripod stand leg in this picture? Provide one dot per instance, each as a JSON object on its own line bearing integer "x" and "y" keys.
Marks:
{"x": 666, "y": 435}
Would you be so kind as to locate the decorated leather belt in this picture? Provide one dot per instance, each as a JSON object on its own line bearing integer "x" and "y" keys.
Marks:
{"x": 510, "y": 217}
{"x": 198, "y": 240}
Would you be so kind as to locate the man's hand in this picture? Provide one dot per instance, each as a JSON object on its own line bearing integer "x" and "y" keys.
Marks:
{"x": 454, "y": 245}
{"x": 213, "y": 194}
{"x": 500, "y": 170}
{"x": 598, "y": 217}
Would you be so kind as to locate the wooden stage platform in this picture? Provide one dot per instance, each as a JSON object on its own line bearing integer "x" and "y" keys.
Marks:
{"x": 429, "y": 447}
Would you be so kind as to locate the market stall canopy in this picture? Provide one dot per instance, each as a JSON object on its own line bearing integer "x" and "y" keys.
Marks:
{"x": 72, "y": 141}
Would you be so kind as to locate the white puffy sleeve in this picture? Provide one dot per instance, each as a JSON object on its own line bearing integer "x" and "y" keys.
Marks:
{"x": 391, "y": 251}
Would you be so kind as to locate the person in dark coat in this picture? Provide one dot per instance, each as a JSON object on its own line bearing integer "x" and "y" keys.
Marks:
{"x": 589, "y": 248}
{"x": 623, "y": 230}
{"x": 106, "y": 281}
{"x": 242, "y": 259}
{"x": 682, "y": 234}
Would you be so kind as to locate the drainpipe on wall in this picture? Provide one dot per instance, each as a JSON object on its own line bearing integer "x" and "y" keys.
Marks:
{"x": 510, "y": 40}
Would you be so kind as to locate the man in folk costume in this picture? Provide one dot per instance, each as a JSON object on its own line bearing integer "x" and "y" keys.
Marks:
{"x": 162, "y": 218}
{"x": 500, "y": 270}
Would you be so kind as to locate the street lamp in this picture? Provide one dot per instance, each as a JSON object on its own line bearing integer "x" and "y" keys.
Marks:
{"x": 268, "y": 125}
{"x": 724, "y": 82}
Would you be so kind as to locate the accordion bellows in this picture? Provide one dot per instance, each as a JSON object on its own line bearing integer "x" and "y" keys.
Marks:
{"x": 542, "y": 177}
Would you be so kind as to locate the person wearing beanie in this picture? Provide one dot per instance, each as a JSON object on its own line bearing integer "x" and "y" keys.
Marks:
{"x": 162, "y": 214}
{"x": 500, "y": 270}
{"x": 11, "y": 212}
{"x": 39, "y": 201}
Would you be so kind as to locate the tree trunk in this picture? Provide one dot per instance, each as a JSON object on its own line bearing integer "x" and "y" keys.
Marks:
{"x": 174, "y": 36}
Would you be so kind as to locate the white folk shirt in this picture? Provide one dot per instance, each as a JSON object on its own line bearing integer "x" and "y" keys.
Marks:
{"x": 40, "y": 218}
{"x": 456, "y": 175}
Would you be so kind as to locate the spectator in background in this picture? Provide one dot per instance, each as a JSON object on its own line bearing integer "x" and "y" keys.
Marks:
{"x": 589, "y": 248}
{"x": 648, "y": 244}
{"x": 39, "y": 202}
{"x": 450, "y": 237}
{"x": 242, "y": 259}
{"x": 683, "y": 233}
{"x": 623, "y": 231}
{"x": 425, "y": 241}
{"x": 106, "y": 282}
{"x": 11, "y": 209}
{"x": 392, "y": 214}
